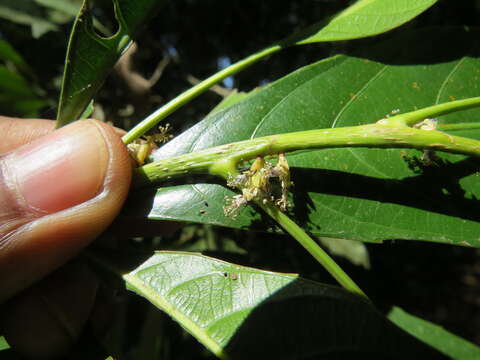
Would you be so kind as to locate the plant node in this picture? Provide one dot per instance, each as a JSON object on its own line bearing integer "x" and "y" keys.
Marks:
{"x": 429, "y": 157}
{"x": 427, "y": 124}
{"x": 140, "y": 149}
{"x": 258, "y": 184}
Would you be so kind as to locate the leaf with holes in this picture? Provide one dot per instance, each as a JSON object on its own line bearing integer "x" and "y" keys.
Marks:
{"x": 90, "y": 57}
{"x": 245, "y": 313}
{"x": 353, "y": 193}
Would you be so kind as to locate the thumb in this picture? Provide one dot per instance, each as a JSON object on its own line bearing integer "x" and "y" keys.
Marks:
{"x": 56, "y": 195}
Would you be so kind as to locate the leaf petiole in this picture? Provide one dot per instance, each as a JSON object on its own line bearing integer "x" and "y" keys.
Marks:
{"x": 312, "y": 247}
{"x": 154, "y": 118}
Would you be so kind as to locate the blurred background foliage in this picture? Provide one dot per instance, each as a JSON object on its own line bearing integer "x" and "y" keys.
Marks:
{"x": 189, "y": 40}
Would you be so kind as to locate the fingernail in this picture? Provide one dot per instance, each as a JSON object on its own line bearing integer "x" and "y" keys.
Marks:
{"x": 62, "y": 169}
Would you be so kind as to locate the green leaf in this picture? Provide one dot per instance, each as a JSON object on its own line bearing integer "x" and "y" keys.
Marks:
{"x": 9, "y": 54}
{"x": 26, "y": 12}
{"x": 447, "y": 343}
{"x": 63, "y": 11}
{"x": 3, "y": 344}
{"x": 68, "y": 7}
{"x": 88, "y": 110}
{"x": 91, "y": 57}
{"x": 17, "y": 96}
{"x": 14, "y": 84}
{"x": 240, "y": 312}
{"x": 364, "y": 18}
{"x": 231, "y": 99}
{"x": 352, "y": 193}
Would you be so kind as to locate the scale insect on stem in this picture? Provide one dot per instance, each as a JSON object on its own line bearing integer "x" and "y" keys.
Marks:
{"x": 257, "y": 184}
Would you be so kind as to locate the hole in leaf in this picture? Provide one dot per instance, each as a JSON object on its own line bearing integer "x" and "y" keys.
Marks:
{"x": 104, "y": 22}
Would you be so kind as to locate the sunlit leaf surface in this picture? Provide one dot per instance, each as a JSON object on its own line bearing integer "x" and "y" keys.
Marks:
{"x": 246, "y": 313}
{"x": 353, "y": 193}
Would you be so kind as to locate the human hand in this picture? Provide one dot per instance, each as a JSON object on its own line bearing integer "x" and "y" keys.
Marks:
{"x": 58, "y": 191}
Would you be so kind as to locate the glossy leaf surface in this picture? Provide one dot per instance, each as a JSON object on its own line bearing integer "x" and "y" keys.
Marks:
{"x": 229, "y": 100}
{"x": 365, "y": 18}
{"x": 91, "y": 57}
{"x": 242, "y": 312}
{"x": 353, "y": 193}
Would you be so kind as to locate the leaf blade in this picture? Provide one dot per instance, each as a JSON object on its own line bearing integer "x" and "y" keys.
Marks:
{"x": 224, "y": 306}
{"x": 353, "y": 193}
{"x": 90, "y": 57}
{"x": 4, "y": 344}
{"x": 364, "y": 18}
{"x": 449, "y": 344}
{"x": 27, "y": 14}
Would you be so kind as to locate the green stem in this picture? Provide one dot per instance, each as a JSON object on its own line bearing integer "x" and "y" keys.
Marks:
{"x": 222, "y": 160}
{"x": 459, "y": 126}
{"x": 414, "y": 117}
{"x": 312, "y": 247}
{"x": 301, "y": 236}
{"x": 150, "y": 121}
{"x": 392, "y": 132}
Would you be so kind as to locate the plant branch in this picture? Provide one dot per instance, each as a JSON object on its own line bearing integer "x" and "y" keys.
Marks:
{"x": 312, "y": 247}
{"x": 222, "y": 160}
{"x": 393, "y": 132}
{"x": 413, "y": 117}
{"x": 230, "y": 170}
{"x": 459, "y": 126}
{"x": 153, "y": 119}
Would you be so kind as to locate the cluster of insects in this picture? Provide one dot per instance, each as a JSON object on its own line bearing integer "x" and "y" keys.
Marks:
{"x": 141, "y": 149}
{"x": 258, "y": 184}
{"x": 429, "y": 157}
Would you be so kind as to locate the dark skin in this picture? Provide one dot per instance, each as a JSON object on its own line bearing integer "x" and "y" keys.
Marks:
{"x": 58, "y": 191}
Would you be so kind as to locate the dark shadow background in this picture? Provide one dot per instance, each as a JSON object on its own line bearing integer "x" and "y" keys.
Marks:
{"x": 326, "y": 327}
